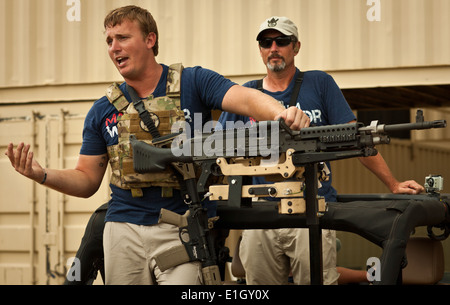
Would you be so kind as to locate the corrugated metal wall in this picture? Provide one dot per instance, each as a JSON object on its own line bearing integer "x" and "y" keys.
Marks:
{"x": 45, "y": 44}
{"x": 55, "y": 64}
{"x": 40, "y": 227}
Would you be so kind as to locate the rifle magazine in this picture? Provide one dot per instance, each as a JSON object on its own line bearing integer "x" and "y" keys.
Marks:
{"x": 211, "y": 275}
{"x": 172, "y": 257}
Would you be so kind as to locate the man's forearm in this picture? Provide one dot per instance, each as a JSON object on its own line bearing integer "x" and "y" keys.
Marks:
{"x": 252, "y": 103}
{"x": 377, "y": 165}
{"x": 71, "y": 182}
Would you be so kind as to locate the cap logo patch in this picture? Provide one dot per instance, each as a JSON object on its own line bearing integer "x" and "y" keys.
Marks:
{"x": 272, "y": 23}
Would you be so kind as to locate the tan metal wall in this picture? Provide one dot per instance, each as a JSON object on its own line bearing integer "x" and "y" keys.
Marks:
{"x": 41, "y": 229}
{"x": 54, "y": 54}
{"x": 42, "y": 46}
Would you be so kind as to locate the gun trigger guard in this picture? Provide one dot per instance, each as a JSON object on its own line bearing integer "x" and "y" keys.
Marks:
{"x": 184, "y": 235}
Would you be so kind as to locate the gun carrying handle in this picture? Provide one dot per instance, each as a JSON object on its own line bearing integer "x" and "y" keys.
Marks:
{"x": 285, "y": 127}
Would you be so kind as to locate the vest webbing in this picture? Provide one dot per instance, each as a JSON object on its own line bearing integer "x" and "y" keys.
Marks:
{"x": 164, "y": 111}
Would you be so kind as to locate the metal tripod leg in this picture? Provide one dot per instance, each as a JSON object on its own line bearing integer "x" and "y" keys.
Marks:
{"x": 313, "y": 224}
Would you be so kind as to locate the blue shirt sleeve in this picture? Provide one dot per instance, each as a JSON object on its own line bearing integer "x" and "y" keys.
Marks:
{"x": 204, "y": 85}
{"x": 100, "y": 128}
{"x": 201, "y": 91}
{"x": 227, "y": 119}
{"x": 337, "y": 109}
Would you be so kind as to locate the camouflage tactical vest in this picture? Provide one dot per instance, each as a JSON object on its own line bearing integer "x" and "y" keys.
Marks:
{"x": 164, "y": 111}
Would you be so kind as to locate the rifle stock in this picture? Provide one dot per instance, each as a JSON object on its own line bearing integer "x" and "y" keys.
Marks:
{"x": 148, "y": 158}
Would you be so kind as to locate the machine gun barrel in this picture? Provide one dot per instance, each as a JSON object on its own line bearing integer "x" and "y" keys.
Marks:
{"x": 419, "y": 124}
{"x": 382, "y": 128}
{"x": 415, "y": 126}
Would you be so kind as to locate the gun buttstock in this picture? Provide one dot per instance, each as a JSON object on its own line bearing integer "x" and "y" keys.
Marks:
{"x": 150, "y": 159}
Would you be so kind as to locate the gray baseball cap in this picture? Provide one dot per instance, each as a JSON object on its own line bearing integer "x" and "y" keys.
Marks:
{"x": 282, "y": 24}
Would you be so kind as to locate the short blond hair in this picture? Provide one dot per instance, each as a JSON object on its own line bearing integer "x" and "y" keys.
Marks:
{"x": 134, "y": 13}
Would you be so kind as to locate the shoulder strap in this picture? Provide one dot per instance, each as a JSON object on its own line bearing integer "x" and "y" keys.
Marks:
{"x": 143, "y": 113}
{"x": 116, "y": 97}
{"x": 259, "y": 84}
{"x": 173, "y": 86}
{"x": 296, "y": 92}
{"x": 173, "y": 89}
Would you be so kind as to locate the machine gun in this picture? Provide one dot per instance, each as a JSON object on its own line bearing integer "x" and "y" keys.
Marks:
{"x": 245, "y": 152}
{"x": 299, "y": 157}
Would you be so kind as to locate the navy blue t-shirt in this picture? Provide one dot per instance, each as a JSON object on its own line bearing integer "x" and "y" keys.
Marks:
{"x": 201, "y": 91}
{"x": 320, "y": 98}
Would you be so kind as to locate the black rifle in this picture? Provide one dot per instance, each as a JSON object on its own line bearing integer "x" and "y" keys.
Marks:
{"x": 300, "y": 155}
{"x": 307, "y": 146}
{"x": 194, "y": 225}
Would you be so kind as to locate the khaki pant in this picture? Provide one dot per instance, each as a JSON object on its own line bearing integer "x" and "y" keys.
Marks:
{"x": 268, "y": 256}
{"x": 129, "y": 256}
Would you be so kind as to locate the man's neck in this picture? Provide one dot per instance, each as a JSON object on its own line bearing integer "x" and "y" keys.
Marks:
{"x": 147, "y": 83}
{"x": 279, "y": 81}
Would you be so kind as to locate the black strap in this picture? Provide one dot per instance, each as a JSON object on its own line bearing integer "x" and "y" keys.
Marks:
{"x": 295, "y": 93}
{"x": 259, "y": 84}
{"x": 143, "y": 113}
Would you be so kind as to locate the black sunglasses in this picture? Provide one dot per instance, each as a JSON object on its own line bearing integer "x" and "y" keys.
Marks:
{"x": 281, "y": 41}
